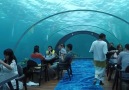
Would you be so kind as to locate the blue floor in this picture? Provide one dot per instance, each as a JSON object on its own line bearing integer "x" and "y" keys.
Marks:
{"x": 82, "y": 79}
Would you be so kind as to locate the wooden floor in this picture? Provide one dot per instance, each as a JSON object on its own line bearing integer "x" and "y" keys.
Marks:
{"x": 50, "y": 85}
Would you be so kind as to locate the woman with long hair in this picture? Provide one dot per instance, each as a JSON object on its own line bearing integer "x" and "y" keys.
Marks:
{"x": 37, "y": 54}
{"x": 9, "y": 62}
{"x": 9, "y": 65}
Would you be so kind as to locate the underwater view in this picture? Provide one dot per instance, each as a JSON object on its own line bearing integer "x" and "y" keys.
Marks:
{"x": 25, "y": 23}
{"x": 64, "y": 44}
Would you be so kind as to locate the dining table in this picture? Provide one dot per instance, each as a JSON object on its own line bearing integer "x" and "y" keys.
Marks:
{"x": 6, "y": 77}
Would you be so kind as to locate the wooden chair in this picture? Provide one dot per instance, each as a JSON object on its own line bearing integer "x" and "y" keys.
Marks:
{"x": 64, "y": 66}
{"x": 20, "y": 78}
{"x": 40, "y": 70}
{"x": 120, "y": 77}
{"x": 110, "y": 69}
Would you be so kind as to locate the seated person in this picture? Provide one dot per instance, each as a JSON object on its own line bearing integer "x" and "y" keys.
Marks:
{"x": 64, "y": 58}
{"x": 111, "y": 51}
{"x": 62, "y": 50}
{"x": 36, "y": 53}
{"x": 51, "y": 56}
{"x": 9, "y": 65}
{"x": 67, "y": 56}
{"x": 50, "y": 51}
{"x": 119, "y": 48}
{"x": 123, "y": 58}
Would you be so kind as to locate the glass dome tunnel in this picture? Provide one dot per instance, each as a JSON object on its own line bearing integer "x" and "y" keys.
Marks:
{"x": 26, "y": 23}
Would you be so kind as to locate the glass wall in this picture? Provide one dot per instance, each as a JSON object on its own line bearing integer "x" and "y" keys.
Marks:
{"x": 25, "y": 23}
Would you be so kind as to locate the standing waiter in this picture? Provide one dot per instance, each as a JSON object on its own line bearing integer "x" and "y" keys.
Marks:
{"x": 99, "y": 50}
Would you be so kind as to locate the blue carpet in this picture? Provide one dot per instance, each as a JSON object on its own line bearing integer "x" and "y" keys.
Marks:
{"x": 82, "y": 79}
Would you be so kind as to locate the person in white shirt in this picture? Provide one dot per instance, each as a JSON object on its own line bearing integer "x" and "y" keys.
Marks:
{"x": 9, "y": 64}
{"x": 99, "y": 49}
{"x": 62, "y": 50}
{"x": 123, "y": 58}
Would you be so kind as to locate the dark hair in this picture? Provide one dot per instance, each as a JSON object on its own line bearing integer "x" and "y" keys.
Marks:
{"x": 63, "y": 45}
{"x": 111, "y": 43}
{"x": 9, "y": 52}
{"x": 50, "y": 46}
{"x": 127, "y": 46}
{"x": 101, "y": 36}
{"x": 70, "y": 46}
{"x": 36, "y": 49}
{"x": 118, "y": 46}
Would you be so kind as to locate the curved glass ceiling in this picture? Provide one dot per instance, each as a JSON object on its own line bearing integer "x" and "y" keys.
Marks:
{"x": 100, "y": 16}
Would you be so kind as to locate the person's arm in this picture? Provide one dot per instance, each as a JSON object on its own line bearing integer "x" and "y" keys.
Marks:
{"x": 6, "y": 65}
{"x": 105, "y": 49}
{"x": 92, "y": 48}
{"x": 41, "y": 57}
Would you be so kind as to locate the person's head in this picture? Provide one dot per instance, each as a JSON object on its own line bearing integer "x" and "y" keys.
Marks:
{"x": 9, "y": 55}
{"x": 69, "y": 47}
{"x": 61, "y": 46}
{"x": 119, "y": 47}
{"x": 127, "y": 46}
{"x": 50, "y": 48}
{"x": 102, "y": 36}
{"x": 111, "y": 44}
{"x": 36, "y": 49}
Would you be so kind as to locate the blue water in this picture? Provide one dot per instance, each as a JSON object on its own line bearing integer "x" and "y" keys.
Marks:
{"x": 82, "y": 79}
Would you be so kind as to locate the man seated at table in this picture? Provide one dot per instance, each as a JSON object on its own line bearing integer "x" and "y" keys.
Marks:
{"x": 64, "y": 58}
{"x": 62, "y": 50}
{"x": 123, "y": 58}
